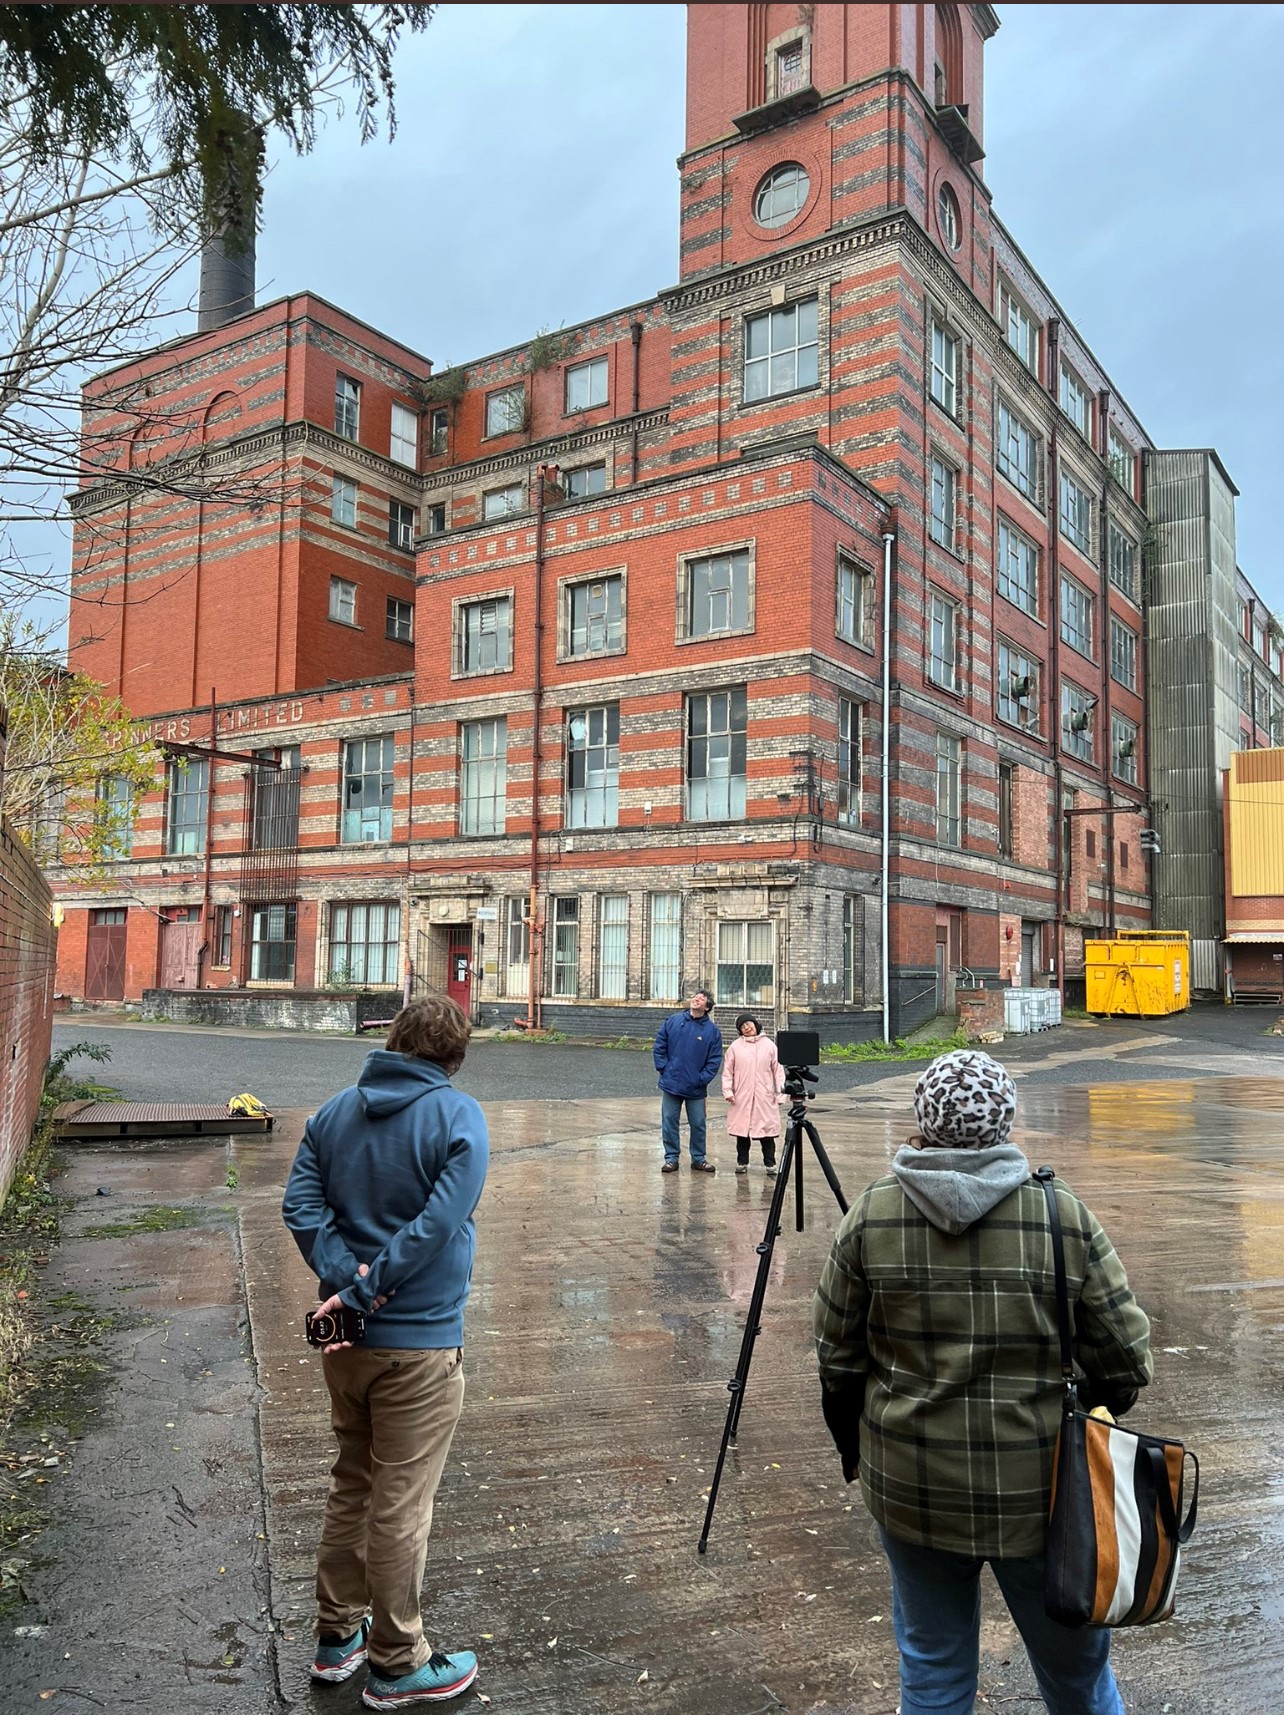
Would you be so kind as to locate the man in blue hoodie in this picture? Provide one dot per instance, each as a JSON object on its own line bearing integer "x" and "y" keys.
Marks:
{"x": 687, "y": 1055}
{"x": 380, "y": 1201}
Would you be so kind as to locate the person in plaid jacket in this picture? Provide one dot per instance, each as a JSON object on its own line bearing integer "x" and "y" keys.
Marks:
{"x": 936, "y": 1330}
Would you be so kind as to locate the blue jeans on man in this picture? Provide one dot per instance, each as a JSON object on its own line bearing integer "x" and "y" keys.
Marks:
{"x": 936, "y": 1612}
{"x": 671, "y": 1120}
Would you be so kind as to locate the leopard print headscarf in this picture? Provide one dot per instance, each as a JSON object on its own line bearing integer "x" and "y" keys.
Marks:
{"x": 965, "y": 1100}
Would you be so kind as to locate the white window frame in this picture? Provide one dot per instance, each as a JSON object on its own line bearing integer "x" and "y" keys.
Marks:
{"x": 718, "y": 793}
{"x": 564, "y": 946}
{"x": 850, "y": 762}
{"x": 505, "y": 410}
{"x": 1078, "y": 617}
{"x": 716, "y": 583}
{"x": 1122, "y": 460}
{"x": 788, "y": 329}
{"x": 343, "y": 601}
{"x": 943, "y": 641}
{"x": 347, "y": 407}
{"x": 1076, "y": 701}
{"x": 578, "y": 483}
{"x": 949, "y": 776}
{"x": 1020, "y": 330}
{"x": 1076, "y": 401}
{"x": 343, "y": 501}
{"x": 186, "y": 790}
{"x": 401, "y": 526}
{"x": 664, "y": 946}
{"x": 1121, "y": 561}
{"x": 374, "y": 927}
{"x": 403, "y": 436}
{"x": 613, "y": 946}
{"x": 1123, "y": 654}
{"x": 781, "y": 195}
{"x": 600, "y": 633}
{"x": 752, "y": 935}
{"x": 439, "y": 431}
{"x": 943, "y": 503}
{"x": 483, "y": 634}
{"x": 1075, "y": 513}
{"x": 592, "y": 379}
{"x": 371, "y": 769}
{"x": 483, "y": 777}
{"x": 1018, "y": 568}
{"x": 1124, "y": 732}
{"x": 517, "y": 945}
{"x": 853, "y": 601}
{"x": 1014, "y": 664}
{"x": 593, "y": 733}
{"x": 503, "y": 502}
{"x": 285, "y": 916}
{"x": 399, "y": 620}
{"x": 1016, "y": 451}
{"x": 944, "y": 367}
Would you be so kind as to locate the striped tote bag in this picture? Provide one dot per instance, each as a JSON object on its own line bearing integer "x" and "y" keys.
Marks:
{"x": 1115, "y": 1530}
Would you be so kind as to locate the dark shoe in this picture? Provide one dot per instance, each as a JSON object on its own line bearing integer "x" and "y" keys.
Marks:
{"x": 703, "y": 1167}
{"x": 669, "y": 1167}
{"x": 771, "y": 1170}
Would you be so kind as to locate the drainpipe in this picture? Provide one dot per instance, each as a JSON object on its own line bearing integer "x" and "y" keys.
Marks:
{"x": 203, "y": 949}
{"x": 635, "y": 329}
{"x": 536, "y": 931}
{"x": 408, "y": 979}
{"x": 1054, "y": 652}
{"x": 1107, "y": 710}
{"x": 886, "y": 840}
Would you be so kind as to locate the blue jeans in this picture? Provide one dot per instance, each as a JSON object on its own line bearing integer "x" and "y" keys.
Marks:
{"x": 936, "y": 1610}
{"x": 670, "y": 1118}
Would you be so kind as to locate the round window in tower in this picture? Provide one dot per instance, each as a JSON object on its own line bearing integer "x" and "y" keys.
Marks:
{"x": 781, "y": 195}
{"x": 947, "y": 216}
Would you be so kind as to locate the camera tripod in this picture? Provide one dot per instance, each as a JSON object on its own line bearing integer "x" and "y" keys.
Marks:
{"x": 799, "y": 1126}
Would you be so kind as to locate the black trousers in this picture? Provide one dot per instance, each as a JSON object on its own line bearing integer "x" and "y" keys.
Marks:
{"x": 768, "y": 1151}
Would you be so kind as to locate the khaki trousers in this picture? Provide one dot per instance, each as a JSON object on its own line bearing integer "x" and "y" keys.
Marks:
{"x": 394, "y": 1413}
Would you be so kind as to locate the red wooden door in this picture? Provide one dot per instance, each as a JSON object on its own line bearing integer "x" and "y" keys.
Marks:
{"x": 459, "y": 968}
{"x": 105, "y": 956}
{"x": 180, "y": 943}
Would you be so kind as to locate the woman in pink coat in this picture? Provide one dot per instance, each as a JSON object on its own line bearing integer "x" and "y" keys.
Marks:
{"x": 751, "y": 1084}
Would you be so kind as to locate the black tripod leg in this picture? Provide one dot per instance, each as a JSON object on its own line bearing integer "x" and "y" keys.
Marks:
{"x": 826, "y": 1167}
{"x": 796, "y": 1126}
{"x": 790, "y": 1155}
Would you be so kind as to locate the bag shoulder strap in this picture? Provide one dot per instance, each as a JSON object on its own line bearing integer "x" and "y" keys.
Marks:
{"x": 1045, "y": 1177}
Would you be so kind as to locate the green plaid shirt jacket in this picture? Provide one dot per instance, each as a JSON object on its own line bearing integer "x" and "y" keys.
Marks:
{"x": 940, "y": 1361}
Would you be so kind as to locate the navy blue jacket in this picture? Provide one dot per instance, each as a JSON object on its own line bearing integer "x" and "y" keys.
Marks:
{"x": 687, "y": 1054}
{"x": 389, "y": 1173}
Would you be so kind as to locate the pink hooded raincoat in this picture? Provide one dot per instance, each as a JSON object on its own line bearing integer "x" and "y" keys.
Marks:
{"x": 751, "y": 1083}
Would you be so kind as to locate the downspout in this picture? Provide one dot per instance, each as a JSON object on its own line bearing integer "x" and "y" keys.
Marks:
{"x": 536, "y": 932}
{"x": 1107, "y": 724}
{"x": 886, "y": 829}
{"x": 203, "y": 949}
{"x": 408, "y": 980}
{"x": 1054, "y": 653}
{"x": 635, "y": 331}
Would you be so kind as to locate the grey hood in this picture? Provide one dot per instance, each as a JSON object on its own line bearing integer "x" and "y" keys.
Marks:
{"x": 954, "y": 1188}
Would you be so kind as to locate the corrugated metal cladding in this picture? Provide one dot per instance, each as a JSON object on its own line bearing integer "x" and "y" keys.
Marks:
{"x": 1256, "y": 816}
{"x": 1186, "y": 615}
{"x": 1205, "y": 965}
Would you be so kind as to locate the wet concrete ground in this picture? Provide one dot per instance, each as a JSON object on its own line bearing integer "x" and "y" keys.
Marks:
{"x": 606, "y": 1318}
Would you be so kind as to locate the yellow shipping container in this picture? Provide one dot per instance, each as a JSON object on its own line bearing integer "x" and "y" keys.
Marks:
{"x": 1143, "y": 973}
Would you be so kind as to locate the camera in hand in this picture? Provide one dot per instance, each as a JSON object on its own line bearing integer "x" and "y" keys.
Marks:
{"x": 341, "y": 1324}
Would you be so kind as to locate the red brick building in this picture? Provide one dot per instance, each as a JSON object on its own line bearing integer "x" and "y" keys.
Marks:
{"x": 617, "y": 724}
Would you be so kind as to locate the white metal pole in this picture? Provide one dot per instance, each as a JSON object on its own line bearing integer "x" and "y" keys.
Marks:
{"x": 885, "y": 855}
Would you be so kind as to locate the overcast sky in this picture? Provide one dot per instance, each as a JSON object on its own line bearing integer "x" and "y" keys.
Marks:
{"x": 532, "y": 183}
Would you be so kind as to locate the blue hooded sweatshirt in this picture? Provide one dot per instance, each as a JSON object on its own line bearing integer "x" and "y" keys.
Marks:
{"x": 389, "y": 1173}
{"x": 687, "y": 1053}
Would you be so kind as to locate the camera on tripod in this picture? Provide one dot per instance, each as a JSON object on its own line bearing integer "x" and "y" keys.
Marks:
{"x": 797, "y": 1052}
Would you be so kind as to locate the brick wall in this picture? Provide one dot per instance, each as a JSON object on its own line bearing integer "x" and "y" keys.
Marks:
{"x": 27, "y": 947}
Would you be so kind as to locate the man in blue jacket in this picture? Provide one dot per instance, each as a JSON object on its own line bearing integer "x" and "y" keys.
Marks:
{"x": 687, "y": 1054}
{"x": 380, "y": 1201}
